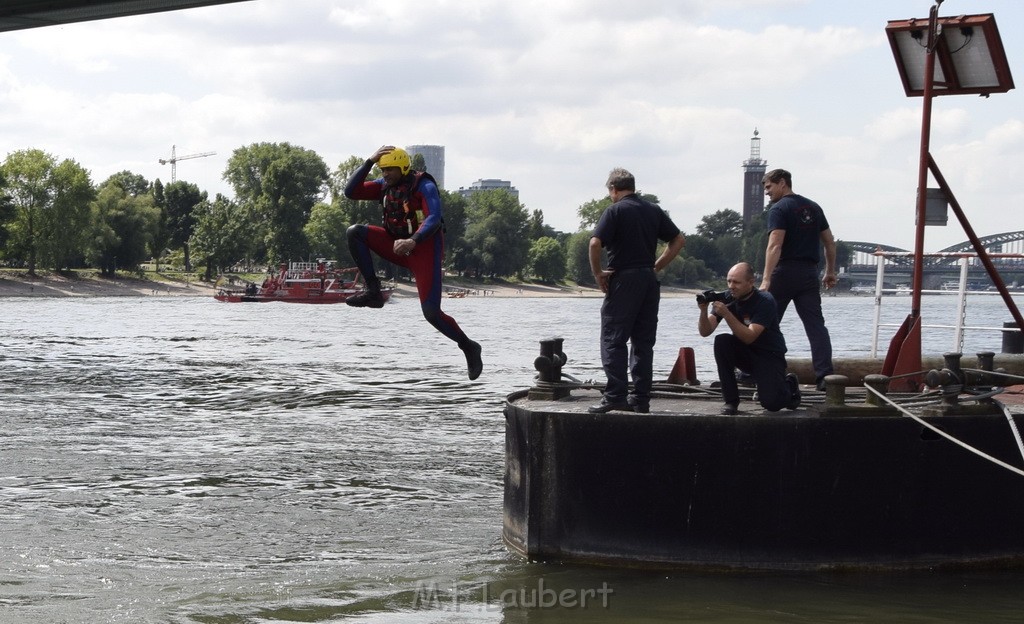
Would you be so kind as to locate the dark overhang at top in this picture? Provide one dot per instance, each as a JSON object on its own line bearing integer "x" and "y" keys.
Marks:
{"x": 20, "y": 14}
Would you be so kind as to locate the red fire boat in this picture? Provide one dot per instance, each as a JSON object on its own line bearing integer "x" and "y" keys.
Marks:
{"x": 298, "y": 282}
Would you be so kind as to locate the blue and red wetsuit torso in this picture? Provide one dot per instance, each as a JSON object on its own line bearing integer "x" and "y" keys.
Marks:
{"x": 412, "y": 208}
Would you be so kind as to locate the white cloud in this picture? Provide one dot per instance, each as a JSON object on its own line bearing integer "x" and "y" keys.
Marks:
{"x": 548, "y": 94}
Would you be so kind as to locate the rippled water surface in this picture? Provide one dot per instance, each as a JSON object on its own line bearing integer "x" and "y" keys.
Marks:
{"x": 182, "y": 460}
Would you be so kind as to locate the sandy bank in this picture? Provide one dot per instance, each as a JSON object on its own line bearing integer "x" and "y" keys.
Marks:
{"x": 18, "y": 284}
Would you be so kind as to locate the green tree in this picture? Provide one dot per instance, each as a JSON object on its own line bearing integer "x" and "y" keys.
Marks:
{"x": 538, "y": 229}
{"x": 180, "y": 202}
{"x": 755, "y": 240}
{"x": 689, "y": 272}
{"x": 496, "y": 234}
{"x": 547, "y": 259}
{"x": 28, "y": 176}
{"x": 122, "y": 227}
{"x": 590, "y": 212}
{"x": 66, "y": 223}
{"x": 51, "y": 208}
{"x": 162, "y": 233}
{"x": 724, "y": 223}
{"x": 133, "y": 184}
{"x": 218, "y": 240}
{"x": 353, "y": 211}
{"x": 704, "y": 249}
{"x": 6, "y": 215}
{"x": 278, "y": 184}
{"x": 578, "y": 259}
{"x": 730, "y": 251}
{"x": 453, "y": 210}
{"x": 418, "y": 163}
{"x": 326, "y": 232}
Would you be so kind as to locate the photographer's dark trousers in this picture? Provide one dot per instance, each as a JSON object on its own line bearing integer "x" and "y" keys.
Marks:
{"x": 630, "y": 314}
{"x": 797, "y": 281}
{"x": 767, "y": 368}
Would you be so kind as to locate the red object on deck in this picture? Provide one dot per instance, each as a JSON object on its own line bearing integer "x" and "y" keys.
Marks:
{"x": 904, "y": 357}
{"x": 685, "y": 369}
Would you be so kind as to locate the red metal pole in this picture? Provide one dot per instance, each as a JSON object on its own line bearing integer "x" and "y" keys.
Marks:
{"x": 922, "y": 173}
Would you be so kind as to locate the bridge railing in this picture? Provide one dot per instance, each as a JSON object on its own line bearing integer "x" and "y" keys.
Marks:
{"x": 961, "y": 293}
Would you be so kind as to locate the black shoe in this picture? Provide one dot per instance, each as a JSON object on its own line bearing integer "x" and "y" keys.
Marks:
{"x": 366, "y": 299}
{"x": 730, "y": 410}
{"x": 638, "y": 407}
{"x": 473, "y": 361}
{"x": 820, "y": 384}
{"x": 610, "y": 406}
{"x": 794, "y": 391}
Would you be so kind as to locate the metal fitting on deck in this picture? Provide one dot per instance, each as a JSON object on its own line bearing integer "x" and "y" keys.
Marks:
{"x": 984, "y": 380}
{"x": 549, "y": 362}
{"x": 835, "y": 390}
{"x": 879, "y": 383}
{"x": 549, "y": 368}
{"x": 949, "y": 380}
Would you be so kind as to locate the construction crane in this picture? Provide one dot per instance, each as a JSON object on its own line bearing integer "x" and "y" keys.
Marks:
{"x": 175, "y": 158}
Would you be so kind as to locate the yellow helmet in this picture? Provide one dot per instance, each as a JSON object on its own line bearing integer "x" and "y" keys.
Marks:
{"x": 397, "y": 157}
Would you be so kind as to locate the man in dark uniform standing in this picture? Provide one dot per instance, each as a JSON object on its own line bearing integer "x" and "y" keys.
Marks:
{"x": 630, "y": 229}
{"x": 798, "y": 230}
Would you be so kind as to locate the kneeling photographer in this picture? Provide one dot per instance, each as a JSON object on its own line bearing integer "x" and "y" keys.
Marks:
{"x": 755, "y": 346}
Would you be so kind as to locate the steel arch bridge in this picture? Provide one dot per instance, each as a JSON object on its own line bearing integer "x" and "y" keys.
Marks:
{"x": 1001, "y": 241}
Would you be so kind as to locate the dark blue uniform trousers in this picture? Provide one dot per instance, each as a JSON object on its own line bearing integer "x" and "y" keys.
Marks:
{"x": 797, "y": 281}
{"x": 768, "y": 370}
{"x": 630, "y": 313}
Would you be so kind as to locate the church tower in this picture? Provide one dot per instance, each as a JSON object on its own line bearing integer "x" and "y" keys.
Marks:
{"x": 753, "y": 173}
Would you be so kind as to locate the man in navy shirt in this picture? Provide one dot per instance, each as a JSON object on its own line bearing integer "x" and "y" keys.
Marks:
{"x": 755, "y": 346}
{"x": 630, "y": 229}
{"x": 797, "y": 231}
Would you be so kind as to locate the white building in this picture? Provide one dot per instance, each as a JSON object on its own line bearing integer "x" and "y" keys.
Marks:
{"x": 489, "y": 184}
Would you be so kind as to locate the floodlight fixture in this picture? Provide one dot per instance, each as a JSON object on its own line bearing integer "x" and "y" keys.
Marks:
{"x": 969, "y": 55}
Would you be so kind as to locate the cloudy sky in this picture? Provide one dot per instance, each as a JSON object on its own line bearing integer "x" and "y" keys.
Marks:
{"x": 549, "y": 94}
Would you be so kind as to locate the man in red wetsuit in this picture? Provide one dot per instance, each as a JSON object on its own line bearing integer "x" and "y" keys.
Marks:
{"x": 412, "y": 237}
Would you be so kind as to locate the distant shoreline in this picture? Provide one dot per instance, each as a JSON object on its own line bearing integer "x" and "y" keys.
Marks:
{"x": 48, "y": 284}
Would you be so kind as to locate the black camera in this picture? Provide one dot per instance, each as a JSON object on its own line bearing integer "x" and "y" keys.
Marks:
{"x": 709, "y": 296}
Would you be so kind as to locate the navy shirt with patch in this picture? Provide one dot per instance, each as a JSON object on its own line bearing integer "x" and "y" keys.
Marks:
{"x": 804, "y": 221}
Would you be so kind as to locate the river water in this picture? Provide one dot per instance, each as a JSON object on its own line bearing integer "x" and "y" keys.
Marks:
{"x": 175, "y": 459}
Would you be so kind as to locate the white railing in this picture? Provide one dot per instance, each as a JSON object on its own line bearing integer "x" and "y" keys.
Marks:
{"x": 961, "y": 292}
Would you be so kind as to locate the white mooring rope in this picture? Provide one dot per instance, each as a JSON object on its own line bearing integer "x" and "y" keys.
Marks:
{"x": 942, "y": 433}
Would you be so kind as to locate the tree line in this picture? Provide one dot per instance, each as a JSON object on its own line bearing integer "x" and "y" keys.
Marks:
{"x": 288, "y": 205}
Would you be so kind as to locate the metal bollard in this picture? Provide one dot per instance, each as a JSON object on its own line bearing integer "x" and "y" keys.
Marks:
{"x": 986, "y": 362}
{"x": 550, "y": 386}
{"x": 879, "y": 383}
{"x": 549, "y": 362}
{"x": 835, "y": 390}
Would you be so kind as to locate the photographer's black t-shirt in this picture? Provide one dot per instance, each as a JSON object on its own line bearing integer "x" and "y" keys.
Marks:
{"x": 759, "y": 308}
